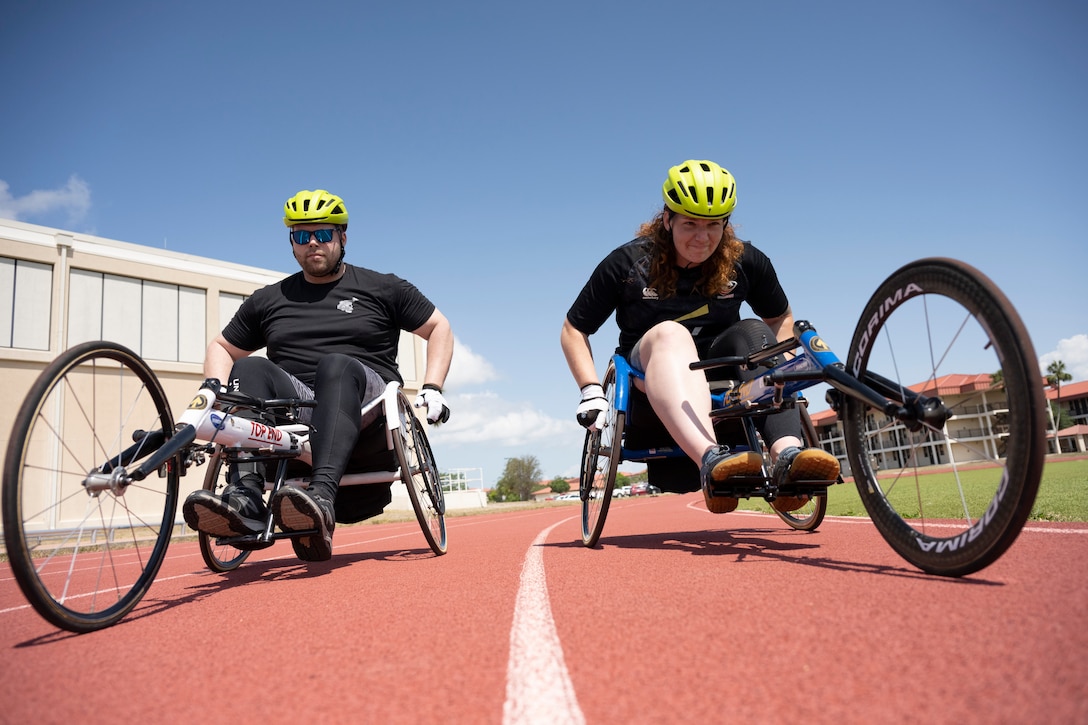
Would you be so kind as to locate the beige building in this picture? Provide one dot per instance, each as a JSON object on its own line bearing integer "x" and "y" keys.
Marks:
{"x": 60, "y": 288}
{"x": 978, "y": 430}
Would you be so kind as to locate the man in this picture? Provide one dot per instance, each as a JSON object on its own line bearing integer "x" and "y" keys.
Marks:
{"x": 331, "y": 333}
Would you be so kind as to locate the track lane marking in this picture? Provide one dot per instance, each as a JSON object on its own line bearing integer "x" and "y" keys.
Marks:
{"x": 538, "y": 686}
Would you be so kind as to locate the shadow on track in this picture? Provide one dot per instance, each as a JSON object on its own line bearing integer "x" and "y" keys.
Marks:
{"x": 267, "y": 571}
{"x": 746, "y": 544}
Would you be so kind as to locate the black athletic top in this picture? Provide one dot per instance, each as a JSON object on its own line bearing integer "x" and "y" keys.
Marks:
{"x": 361, "y": 314}
{"x": 620, "y": 283}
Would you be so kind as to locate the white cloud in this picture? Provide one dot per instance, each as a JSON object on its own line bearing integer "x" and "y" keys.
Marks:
{"x": 487, "y": 418}
{"x": 1073, "y": 351}
{"x": 468, "y": 368}
{"x": 73, "y": 199}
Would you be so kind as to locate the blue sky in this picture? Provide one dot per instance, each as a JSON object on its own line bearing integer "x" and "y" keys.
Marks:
{"x": 493, "y": 152}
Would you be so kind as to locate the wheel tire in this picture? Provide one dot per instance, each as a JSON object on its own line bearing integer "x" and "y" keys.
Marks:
{"x": 600, "y": 463}
{"x": 85, "y": 408}
{"x": 960, "y": 321}
{"x": 219, "y": 558}
{"x": 415, "y": 458}
{"x": 811, "y": 515}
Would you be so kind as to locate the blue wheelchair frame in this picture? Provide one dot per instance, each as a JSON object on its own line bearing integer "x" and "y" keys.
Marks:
{"x": 736, "y": 400}
{"x": 947, "y": 314}
{"x": 747, "y": 398}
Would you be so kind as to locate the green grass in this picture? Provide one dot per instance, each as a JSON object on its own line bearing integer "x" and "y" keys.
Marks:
{"x": 1063, "y": 494}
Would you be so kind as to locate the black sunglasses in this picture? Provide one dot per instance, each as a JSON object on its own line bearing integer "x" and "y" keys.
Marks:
{"x": 302, "y": 236}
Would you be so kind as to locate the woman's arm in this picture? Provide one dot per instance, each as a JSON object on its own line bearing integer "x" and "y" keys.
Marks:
{"x": 579, "y": 355}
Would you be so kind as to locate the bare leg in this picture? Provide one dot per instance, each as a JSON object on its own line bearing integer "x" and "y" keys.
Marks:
{"x": 680, "y": 397}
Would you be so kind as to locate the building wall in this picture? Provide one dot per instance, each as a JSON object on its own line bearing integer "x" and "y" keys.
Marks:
{"x": 59, "y": 288}
{"x": 977, "y": 432}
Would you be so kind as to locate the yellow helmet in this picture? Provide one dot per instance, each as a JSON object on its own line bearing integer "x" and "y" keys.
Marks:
{"x": 315, "y": 207}
{"x": 700, "y": 189}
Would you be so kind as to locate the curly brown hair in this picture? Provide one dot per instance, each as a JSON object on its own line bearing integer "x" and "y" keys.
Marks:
{"x": 718, "y": 271}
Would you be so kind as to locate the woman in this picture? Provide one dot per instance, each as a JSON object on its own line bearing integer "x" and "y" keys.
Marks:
{"x": 677, "y": 291}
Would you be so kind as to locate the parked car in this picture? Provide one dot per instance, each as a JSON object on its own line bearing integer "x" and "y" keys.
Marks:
{"x": 640, "y": 489}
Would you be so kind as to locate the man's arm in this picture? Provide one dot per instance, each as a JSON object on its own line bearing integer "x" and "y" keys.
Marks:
{"x": 436, "y": 331}
{"x": 219, "y": 359}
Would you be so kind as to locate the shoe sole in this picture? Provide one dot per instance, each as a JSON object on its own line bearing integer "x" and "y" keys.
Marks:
{"x": 217, "y": 520}
{"x": 742, "y": 464}
{"x": 814, "y": 465}
{"x": 719, "y": 504}
{"x": 809, "y": 465}
{"x": 294, "y": 511}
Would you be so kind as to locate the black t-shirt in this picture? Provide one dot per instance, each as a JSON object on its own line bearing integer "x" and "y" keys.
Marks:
{"x": 620, "y": 283}
{"x": 361, "y": 314}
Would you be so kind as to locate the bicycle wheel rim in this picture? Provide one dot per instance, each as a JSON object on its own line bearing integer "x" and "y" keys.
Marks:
{"x": 600, "y": 462}
{"x": 83, "y": 560}
{"x": 957, "y": 318}
{"x": 419, "y": 473}
{"x": 219, "y": 558}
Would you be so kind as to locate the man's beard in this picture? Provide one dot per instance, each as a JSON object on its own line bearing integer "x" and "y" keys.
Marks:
{"x": 322, "y": 265}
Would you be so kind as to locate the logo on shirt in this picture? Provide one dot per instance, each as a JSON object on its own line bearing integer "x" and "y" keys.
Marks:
{"x": 727, "y": 293}
{"x": 347, "y": 306}
{"x": 649, "y": 293}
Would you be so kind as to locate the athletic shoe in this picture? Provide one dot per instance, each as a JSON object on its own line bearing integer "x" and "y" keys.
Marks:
{"x": 297, "y": 509}
{"x": 718, "y": 466}
{"x": 237, "y": 512}
{"x": 795, "y": 465}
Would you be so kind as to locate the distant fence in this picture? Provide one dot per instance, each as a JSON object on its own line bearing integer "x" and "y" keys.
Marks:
{"x": 462, "y": 479}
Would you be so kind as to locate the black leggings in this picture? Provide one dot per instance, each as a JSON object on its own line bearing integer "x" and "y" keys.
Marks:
{"x": 342, "y": 385}
{"x": 743, "y": 338}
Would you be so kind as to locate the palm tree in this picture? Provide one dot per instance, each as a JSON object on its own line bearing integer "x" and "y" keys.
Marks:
{"x": 1055, "y": 376}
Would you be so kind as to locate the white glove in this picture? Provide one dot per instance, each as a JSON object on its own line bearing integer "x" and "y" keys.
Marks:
{"x": 592, "y": 409}
{"x": 431, "y": 398}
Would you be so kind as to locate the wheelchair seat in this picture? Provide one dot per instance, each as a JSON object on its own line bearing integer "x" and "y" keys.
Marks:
{"x": 644, "y": 430}
{"x": 360, "y": 501}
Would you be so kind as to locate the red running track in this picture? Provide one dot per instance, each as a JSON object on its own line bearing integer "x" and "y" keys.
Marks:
{"x": 681, "y": 616}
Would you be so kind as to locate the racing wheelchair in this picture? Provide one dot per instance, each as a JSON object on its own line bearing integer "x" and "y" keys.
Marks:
{"x": 935, "y": 327}
{"x": 91, "y": 477}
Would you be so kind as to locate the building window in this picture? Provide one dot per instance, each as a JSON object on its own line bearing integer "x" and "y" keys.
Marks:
{"x": 158, "y": 321}
{"x": 25, "y": 302}
{"x": 228, "y": 305}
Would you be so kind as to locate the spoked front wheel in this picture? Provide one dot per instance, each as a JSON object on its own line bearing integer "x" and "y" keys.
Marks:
{"x": 949, "y": 500}
{"x": 419, "y": 473}
{"x": 85, "y": 549}
{"x": 600, "y": 463}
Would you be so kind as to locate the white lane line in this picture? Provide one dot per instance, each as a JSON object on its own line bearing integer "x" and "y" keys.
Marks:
{"x": 538, "y": 686}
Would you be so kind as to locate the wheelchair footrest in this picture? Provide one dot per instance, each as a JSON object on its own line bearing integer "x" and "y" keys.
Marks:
{"x": 816, "y": 488}
{"x": 741, "y": 487}
{"x": 245, "y": 543}
{"x": 759, "y": 487}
